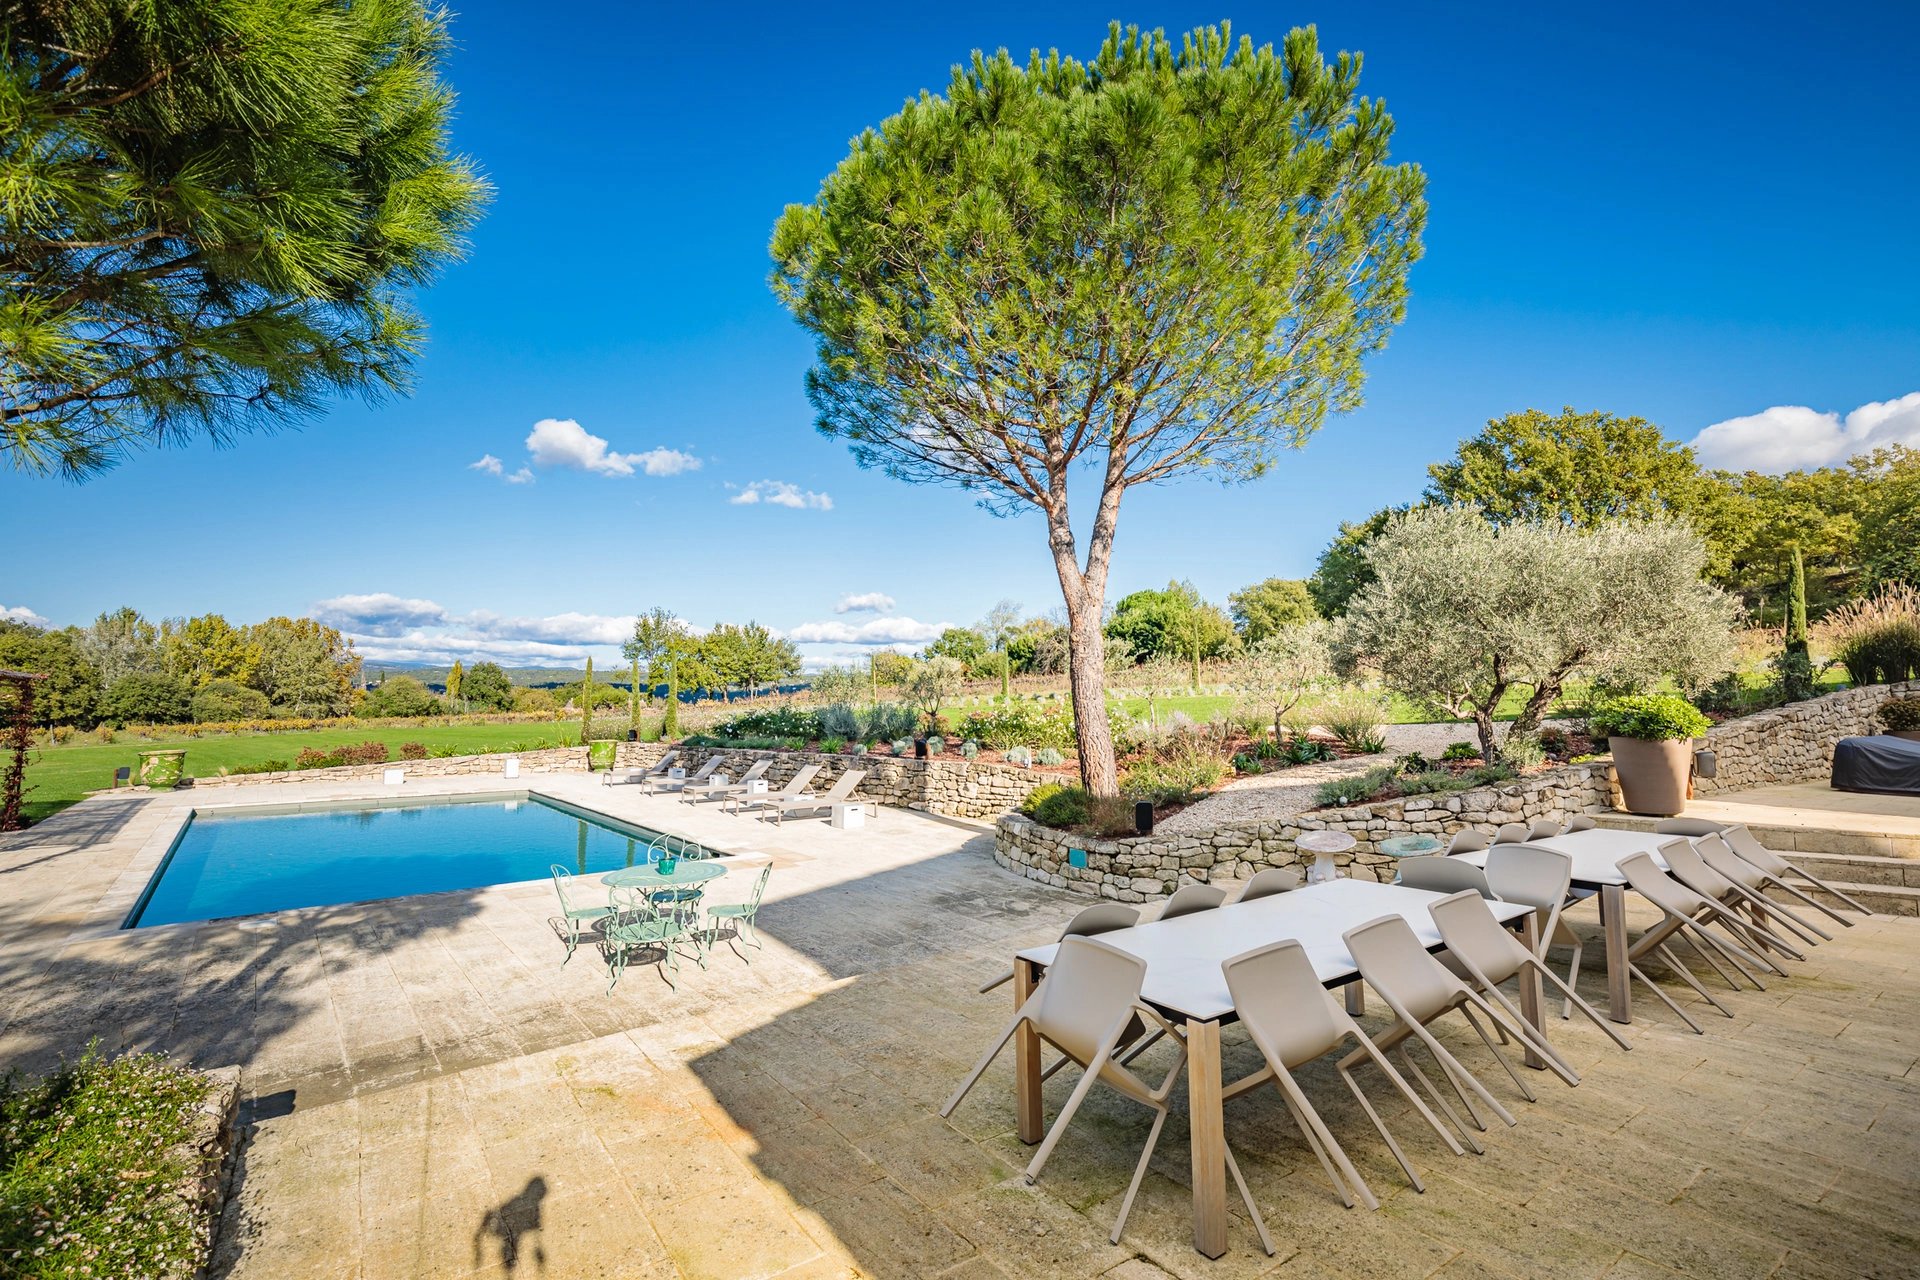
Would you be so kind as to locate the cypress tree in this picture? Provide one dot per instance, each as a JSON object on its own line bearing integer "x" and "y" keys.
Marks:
{"x": 586, "y": 704}
{"x": 1797, "y": 607}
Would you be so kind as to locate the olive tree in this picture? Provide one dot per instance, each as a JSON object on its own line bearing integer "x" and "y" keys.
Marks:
{"x": 1280, "y": 671}
{"x": 1163, "y": 261}
{"x": 1461, "y": 611}
{"x": 935, "y": 681}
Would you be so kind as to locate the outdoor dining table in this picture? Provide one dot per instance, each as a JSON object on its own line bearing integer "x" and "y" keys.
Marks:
{"x": 685, "y": 871}
{"x": 1596, "y": 853}
{"x": 1185, "y": 982}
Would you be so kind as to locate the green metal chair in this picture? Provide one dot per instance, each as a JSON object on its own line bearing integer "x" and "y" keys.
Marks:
{"x": 636, "y": 924}
{"x": 573, "y": 917}
{"x": 684, "y": 899}
{"x": 743, "y": 914}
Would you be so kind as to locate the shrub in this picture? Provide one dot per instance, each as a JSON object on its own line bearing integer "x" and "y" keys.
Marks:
{"x": 1050, "y": 756}
{"x": 1021, "y": 724}
{"x": 888, "y": 720}
{"x": 1413, "y": 762}
{"x": 1354, "y": 716}
{"x": 838, "y": 721}
{"x": 608, "y": 728}
{"x": 1900, "y": 714}
{"x": 774, "y": 722}
{"x": 1653, "y": 717}
{"x": 400, "y": 696}
{"x": 970, "y": 749}
{"x": 833, "y": 746}
{"x": 1057, "y": 806}
{"x": 1021, "y": 756}
{"x": 1523, "y": 750}
{"x": 1177, "y": 775}
{"x": 859, "y": 748}
{"x": 1354, "y": 790}
{"x": 1306, "y": 751}
{"x": 1111, "y": 815}
{"x": 936, "y": 745}
{"x": 1460, "y": 751}
{"x": 226, "y": 700}
{"x": 263, "y": 766}
{"x": 1877, "y": 639}
{"x": 92, "y": 1162}
{"x": 901, "y": 746}
{"x": 413, "y": 751}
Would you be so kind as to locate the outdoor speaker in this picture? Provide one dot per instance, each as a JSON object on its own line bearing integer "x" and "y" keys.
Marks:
{"x": 1143, "y": 817}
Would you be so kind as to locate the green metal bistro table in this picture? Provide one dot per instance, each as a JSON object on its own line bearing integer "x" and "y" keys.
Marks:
{"x": 685, "y": 871}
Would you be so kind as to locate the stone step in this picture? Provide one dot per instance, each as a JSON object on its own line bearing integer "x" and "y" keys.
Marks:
{"x": 1883, "y": 899}
{"x": 1793, "y": 840}
{"x": 1857, "y": 868}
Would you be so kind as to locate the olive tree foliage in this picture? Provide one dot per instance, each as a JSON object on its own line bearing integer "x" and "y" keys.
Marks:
{"x": 1460, "y": 611}
{"x": 1165, "y": 260}
{"x": 212, "y": 214}
{"x": 935, "y": 681}
{"x": 1288, "y": 666}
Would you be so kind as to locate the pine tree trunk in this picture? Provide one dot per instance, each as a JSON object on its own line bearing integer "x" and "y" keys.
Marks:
{"x": 1087, "y": 678}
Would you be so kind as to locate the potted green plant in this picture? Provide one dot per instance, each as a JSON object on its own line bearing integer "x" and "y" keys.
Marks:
{"x": 1651, "y": 738}
{"x": 600, "y": 753}
{"x": 1902, "y": 717}
{"x": 161, "y": 770}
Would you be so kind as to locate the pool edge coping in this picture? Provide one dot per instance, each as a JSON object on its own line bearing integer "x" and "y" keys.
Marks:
{"x": 108, "y": 916}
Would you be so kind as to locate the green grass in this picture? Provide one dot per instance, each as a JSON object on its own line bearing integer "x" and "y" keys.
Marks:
{"x": 58, "y": 776}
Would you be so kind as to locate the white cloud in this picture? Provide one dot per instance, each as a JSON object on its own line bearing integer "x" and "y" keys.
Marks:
{"x": 865, "y": 602}
{"x": 378, "y": 613}
{"x": 20, "y": 613}
{"x": 879, "y": 631}
{"x": 780, "y": 493}
{"x": 1795, "y": 437}
{"x": 490, "y": 465}
{"x": 562, "y": 442}
{"x": 557, "y": 628}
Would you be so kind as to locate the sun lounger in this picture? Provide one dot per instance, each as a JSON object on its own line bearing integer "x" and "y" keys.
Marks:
{"x": 706, "y": 789}
{"x": 658, "y": 769}
{"x": 667, "y": 782}
{"x": 781, "y": 806}
{"x": 796, "y": 786}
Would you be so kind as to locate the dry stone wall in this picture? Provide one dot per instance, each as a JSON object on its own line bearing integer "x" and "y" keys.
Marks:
{"x": 955, "y": 788}
{"x": 1792, "y": 743}
{"x": 1146, "y": 867}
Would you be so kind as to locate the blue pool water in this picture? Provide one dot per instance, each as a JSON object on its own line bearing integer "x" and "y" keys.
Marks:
{"x": 243, "y": 864}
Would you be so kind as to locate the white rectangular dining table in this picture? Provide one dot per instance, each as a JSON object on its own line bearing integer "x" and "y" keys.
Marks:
{"x": 1596, "y": 853}
{"x": 1185, "y": 981}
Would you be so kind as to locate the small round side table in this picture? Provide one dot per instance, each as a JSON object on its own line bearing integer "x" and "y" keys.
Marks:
{"x": 1323, "y": 845}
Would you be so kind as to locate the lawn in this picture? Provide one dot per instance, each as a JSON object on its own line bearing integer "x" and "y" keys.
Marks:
{"x": 58, "y": 776}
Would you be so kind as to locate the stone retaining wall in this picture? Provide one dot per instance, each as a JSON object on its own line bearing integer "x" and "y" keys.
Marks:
{"x": 1792, "y": 743}
{"x": 956, "y": 788}
{"x": 1144, "y": 867}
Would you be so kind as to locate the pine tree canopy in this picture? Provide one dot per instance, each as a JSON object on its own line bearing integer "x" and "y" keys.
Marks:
{"x": 211, "y": 212}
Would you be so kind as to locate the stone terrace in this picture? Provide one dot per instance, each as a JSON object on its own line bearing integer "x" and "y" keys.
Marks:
{"x": 432, "y": 1094}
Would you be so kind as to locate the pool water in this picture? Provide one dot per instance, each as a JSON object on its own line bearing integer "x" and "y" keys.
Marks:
{"x": 245, "y": 863}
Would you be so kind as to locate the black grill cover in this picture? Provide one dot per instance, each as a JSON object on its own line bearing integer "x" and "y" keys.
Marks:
{"x": 1888, "y": 765}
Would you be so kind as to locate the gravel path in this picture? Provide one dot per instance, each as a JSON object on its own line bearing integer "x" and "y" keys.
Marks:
{"x": 1290, "y": 791}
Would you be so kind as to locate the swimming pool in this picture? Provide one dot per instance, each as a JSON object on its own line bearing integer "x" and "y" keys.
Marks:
{"x": 266, "y": 859}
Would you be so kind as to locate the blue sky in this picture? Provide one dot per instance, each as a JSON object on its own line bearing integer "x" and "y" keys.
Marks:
{"x": 1697, "y": 214}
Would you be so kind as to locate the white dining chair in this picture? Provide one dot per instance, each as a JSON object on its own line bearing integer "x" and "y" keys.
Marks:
{"x": 1269, "y": 882}
{"x": 1539, "y": 878}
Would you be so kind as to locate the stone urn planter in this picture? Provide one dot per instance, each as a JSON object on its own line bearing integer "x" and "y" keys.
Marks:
{"x": 161, "y": 770}
{"x": 1651, "y": 737}
{"x": 600, "y": 754}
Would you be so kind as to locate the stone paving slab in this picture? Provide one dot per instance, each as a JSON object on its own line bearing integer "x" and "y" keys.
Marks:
{"x": 432, "y": 1093}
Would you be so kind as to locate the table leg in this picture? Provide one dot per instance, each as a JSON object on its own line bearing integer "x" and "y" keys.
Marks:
{"x": 1530, "y": 993}
{"x": 1207, "y": 1123}
{"x": 1613, "y": 921}
{"x": 1356, "y": 997}
{"x": 1026, "y": 1059}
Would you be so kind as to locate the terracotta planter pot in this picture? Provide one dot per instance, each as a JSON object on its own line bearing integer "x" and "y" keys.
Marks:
{"x": 1653, "y": 775}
